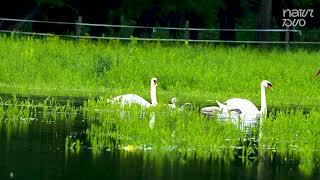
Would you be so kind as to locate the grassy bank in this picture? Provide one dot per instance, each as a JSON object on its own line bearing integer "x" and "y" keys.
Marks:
{"x": 195, "y": 73}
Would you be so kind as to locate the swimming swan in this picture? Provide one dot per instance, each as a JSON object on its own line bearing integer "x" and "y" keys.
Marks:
{"x": 136, "y": 99}
{"x": 243, "y": 108}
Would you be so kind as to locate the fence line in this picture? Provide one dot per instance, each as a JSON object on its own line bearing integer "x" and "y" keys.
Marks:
{"x": 155, "y": 39}
{"x": 186, "y": 29}
{"x": 149, "y": 27}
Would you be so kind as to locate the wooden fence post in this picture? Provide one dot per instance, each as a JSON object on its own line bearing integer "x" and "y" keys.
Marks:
{"x": 186, "y": 34}
{"x": 78, "y": 27}
{"x": 287, "y": 38}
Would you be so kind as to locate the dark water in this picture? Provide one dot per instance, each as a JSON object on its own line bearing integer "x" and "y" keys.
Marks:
{"x": 37, "y": 150}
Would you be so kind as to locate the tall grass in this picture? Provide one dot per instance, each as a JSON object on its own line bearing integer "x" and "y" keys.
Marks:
{"x": 293, "y": 135}
{"x": 195, "y": 73}
{"x": 199, "y": 73}
{"x": 172, "y": 130}
{"x": 290, "y": 135}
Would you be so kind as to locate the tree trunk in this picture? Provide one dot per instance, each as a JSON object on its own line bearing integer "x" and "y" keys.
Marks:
{"x": 264, "y": 19}
{"x": 174, "y": 19}
{"x": 277, "y": 8}
{"x": 227, "y": 20}
{"x": 147, "y": 18}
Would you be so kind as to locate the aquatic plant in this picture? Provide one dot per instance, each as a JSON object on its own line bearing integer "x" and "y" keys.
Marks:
{"x": 159, "y": 129}
{"x": 287, "y": 136}
{"x": 14, "y": 110}
{"x": 196, "y": 73}
{"x": 293, "y": 135}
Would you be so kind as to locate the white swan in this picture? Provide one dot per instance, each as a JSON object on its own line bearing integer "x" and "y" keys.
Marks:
{"x": 243, "y": 108}
{"x": 222, "y": 112}
{"x": 136, "y": 99}
{"x": 247, "y": 108}
{"x": 173, "y": 103}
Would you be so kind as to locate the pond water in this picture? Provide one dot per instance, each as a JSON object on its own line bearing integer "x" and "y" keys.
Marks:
{"x": 37, "y": 150}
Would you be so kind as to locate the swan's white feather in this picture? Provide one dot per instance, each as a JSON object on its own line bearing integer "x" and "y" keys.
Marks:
{"x": 131, "y": 99}
{"x": 245, "y": 106}
{"x": 238, "y": 108}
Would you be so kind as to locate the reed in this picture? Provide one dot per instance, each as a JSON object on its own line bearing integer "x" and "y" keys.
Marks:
{"x": 293, "y": 135}
{"x": 287, "y": 135}
{"x": 159, "y": 129}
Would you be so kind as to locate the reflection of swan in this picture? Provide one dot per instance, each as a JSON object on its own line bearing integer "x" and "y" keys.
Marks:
{"x": 152, "y": 120}
{"x": 135, "y": 99}
{"x": 241, "y": 108}
{"x": 172, "y": 106}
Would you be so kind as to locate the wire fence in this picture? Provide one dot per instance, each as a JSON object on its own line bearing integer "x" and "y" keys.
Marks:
{"x": 79, "y": 29}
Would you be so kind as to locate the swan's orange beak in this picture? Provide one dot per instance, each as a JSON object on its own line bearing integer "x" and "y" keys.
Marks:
{"x": 270, "y": 87}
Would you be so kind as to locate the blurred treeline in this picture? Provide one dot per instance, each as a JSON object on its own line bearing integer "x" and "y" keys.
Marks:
{"x": 222, "y": 14}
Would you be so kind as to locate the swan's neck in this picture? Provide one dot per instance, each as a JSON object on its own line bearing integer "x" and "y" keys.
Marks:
{"x": 153, "y": 94}
{"x": 263, "y": 109}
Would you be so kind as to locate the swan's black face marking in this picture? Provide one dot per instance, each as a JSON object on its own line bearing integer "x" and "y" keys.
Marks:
{"x": 155, "y": 82}
{"x": 269, "y": 86}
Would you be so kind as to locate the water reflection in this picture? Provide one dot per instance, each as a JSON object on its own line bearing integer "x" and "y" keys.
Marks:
{"x": 58, "y": 142}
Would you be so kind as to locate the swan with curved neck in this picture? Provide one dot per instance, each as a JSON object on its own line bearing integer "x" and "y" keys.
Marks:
{"x": 136, "y": 99}
{"x": 241, "y": 107}
{"x": 247, "y": 108}
{"x": 263, "y": 109}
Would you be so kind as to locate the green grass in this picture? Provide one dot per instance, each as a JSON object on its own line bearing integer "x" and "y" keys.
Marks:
{"x": 173, "y": 130}
{"x": 293, "y": 135}
{"x": 198, "y": 73}
{"x": 195, "y": 73}
{"x": 289, "y": 135}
